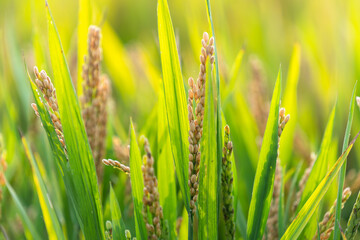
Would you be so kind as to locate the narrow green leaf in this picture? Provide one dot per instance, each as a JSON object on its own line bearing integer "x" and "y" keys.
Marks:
{"x": 118, "y": 226}
{"x": 175, "y": 98}
{"x": 320, "y": 166}
{"x": 219, "y": 130}
{"x": 166, "y": 170}
{"x": 265, "y": 172}
{"x": 51, "y": 220}
{"x": 208, "y": 174}
{"x": 291, "y": 193}
{"x": 318, "y": 171}
{"x": 311, "y": 205}
{"x": 81, "y": 163}
{"x": 281, "y": 212}
{"x": 137, "y": 184}
{"x": 290, "y": 104}
{"x": 343, "y": 167}
{"x": 246, "y": 152}
{"x": 234, "y": 73}
{"x": 23, "y": 215}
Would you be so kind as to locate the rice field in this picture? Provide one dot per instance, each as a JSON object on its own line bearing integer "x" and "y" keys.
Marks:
{"x": 179, "y": 119}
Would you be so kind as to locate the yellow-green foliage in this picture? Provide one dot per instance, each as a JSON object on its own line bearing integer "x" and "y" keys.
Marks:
{"x": 51, "y": 186}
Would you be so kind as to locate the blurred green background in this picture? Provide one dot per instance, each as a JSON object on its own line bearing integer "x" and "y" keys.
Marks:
{"x": 327, "y": 33}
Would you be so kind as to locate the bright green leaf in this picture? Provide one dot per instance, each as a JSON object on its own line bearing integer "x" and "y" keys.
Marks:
{"x": 137, "y": 184}
{"x": 312, "y": 203}
{"x": 118, "y": 226}
{"x": 52, "y": 223}
{"x": 83, "y": 178}
{"x": 208, "y": 174}
{"x": 175, "y": 98}
{"x": 265, "y": 172}
{"x": 343, "y": 167}
{"x": 166, "y": 170}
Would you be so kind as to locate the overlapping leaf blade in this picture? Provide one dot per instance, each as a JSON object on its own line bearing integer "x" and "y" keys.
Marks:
{"x": 29, "y": 226}
{"x": 82, "y": 176}
{"x": 118, "y": 226}
{"x": 318, "y": 171}
{"x": 137, "y": 184}
{"x": 52, "y": 223}
{"x": 343, "y": 167}
{"x": 218, "y": 108}
{"x": 265, "y": 172}
{"x": 166, "y": 170}
{"x": 290, "y": 104}
{"x": 312, "y": 203}
{"x": 175, "y": 98}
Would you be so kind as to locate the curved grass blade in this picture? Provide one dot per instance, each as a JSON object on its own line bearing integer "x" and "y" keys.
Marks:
{"x": 311, "y": 205}
{"x": 23, "y": 215}
{"x": 82, "y": 174}
{"x": 166, "y": 170}
{"x": 208, "y": 174}
{"x": 137, "y": 184}
{"x": 234, "y": 73}
{"x": 343, "y": 167}
{"x": 291, "y": 193}
{"x": 290, "y": 104}
{"x": 265, "y": 172}
{"x": 219, "y": 132}
{"x": 51, "y": 220}
{"x": 318, "y": 171}
{"x": 118, "y": 226}
{"x": 175, "y": 98}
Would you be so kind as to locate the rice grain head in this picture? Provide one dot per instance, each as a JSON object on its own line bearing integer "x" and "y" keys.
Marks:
{"x": 196, "y": 98}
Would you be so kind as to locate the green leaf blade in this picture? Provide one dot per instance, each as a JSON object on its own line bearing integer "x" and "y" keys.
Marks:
{"x": 82, "y": 175}
{"x": 166, "y": 170}
{"x": 118, "y": 225}
{"x": 312, "y": 203}
{"x": 343, "y": 167}
{"x": 290, "y": 104}
{"x": 52, "y": 223}
{"x": 34, "y": 234}
{"x": 137, "y": 184}
{"x": 208, "y": 174}
{"x": 175, "y": 98}
{"x": 265, "y": 172}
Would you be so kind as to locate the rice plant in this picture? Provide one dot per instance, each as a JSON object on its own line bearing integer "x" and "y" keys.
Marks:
{"x": 228, "y": 154}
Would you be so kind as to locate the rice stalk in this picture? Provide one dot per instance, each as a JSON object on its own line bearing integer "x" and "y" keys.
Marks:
{"x": 273, "y": 219}
{"x": 259, "y": 105}
{"x": 326, "y": 226}
{"x": 227, "y": 186}
{"x": 96, "y": 89}
{"x": 44, "y": 83}
{"x": 354, "y": 220}
{"x": 302, "y": 182}
{"x": 197, "y": 98}
{"x": 152, "y": 211}
{"x": 117, "y": 165}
